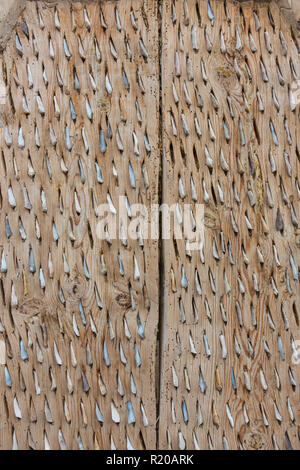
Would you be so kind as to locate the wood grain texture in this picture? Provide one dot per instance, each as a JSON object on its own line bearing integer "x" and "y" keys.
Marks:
{"x": 229, "y": 380}
{"x": 78, "y": 314}
{"x": 81, "y": 125}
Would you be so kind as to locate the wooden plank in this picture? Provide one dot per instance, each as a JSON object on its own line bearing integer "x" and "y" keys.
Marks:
{"x": 78, "y": 314}
{"x": 229, "y": 378}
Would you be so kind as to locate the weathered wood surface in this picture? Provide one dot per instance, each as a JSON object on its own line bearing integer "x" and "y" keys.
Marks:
{"x": 232, "y": 311}
{"x": 78, "y": 315}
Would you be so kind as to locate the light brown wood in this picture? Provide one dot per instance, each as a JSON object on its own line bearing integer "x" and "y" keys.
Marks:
{"x": 108, "y": 344}
{"x": 223, "y": 413}
{"x": 52, "y": 399}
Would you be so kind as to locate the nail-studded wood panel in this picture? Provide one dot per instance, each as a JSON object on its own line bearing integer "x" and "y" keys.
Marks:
{"x": 78, "y": 316}
{"x": 230, "y": 377}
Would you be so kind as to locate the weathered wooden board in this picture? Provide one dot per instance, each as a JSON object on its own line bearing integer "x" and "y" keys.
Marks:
{"x": 231, "y": 142}
{"x": 79, "y": 128}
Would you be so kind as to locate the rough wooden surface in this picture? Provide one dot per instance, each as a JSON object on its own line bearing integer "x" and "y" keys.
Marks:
{"x": 78, "y": 319}
{"x": 9, "y": 14}
{"x": 78, "y": 315}
{"x": 232, "y": 311}
{"x": 290, "y": 10}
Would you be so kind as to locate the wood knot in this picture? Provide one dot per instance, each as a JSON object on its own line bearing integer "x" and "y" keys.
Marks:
{"x": 211, "y": 219}
{"x": 103, "y": 105}
{"x": 254, "y": 440}
{"x": 32, "y": 307}
{"x": 123, "y": 300}
{"x": 75, "y": 287}
{"x": 224, "y": 73}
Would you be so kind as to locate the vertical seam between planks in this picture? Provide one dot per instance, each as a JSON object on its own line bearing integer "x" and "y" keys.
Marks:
{"x": 161, "y": 335}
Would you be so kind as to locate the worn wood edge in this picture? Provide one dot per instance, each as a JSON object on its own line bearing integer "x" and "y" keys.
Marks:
{"x": 289, "y": 9}
{"x": 9, "y": 14}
